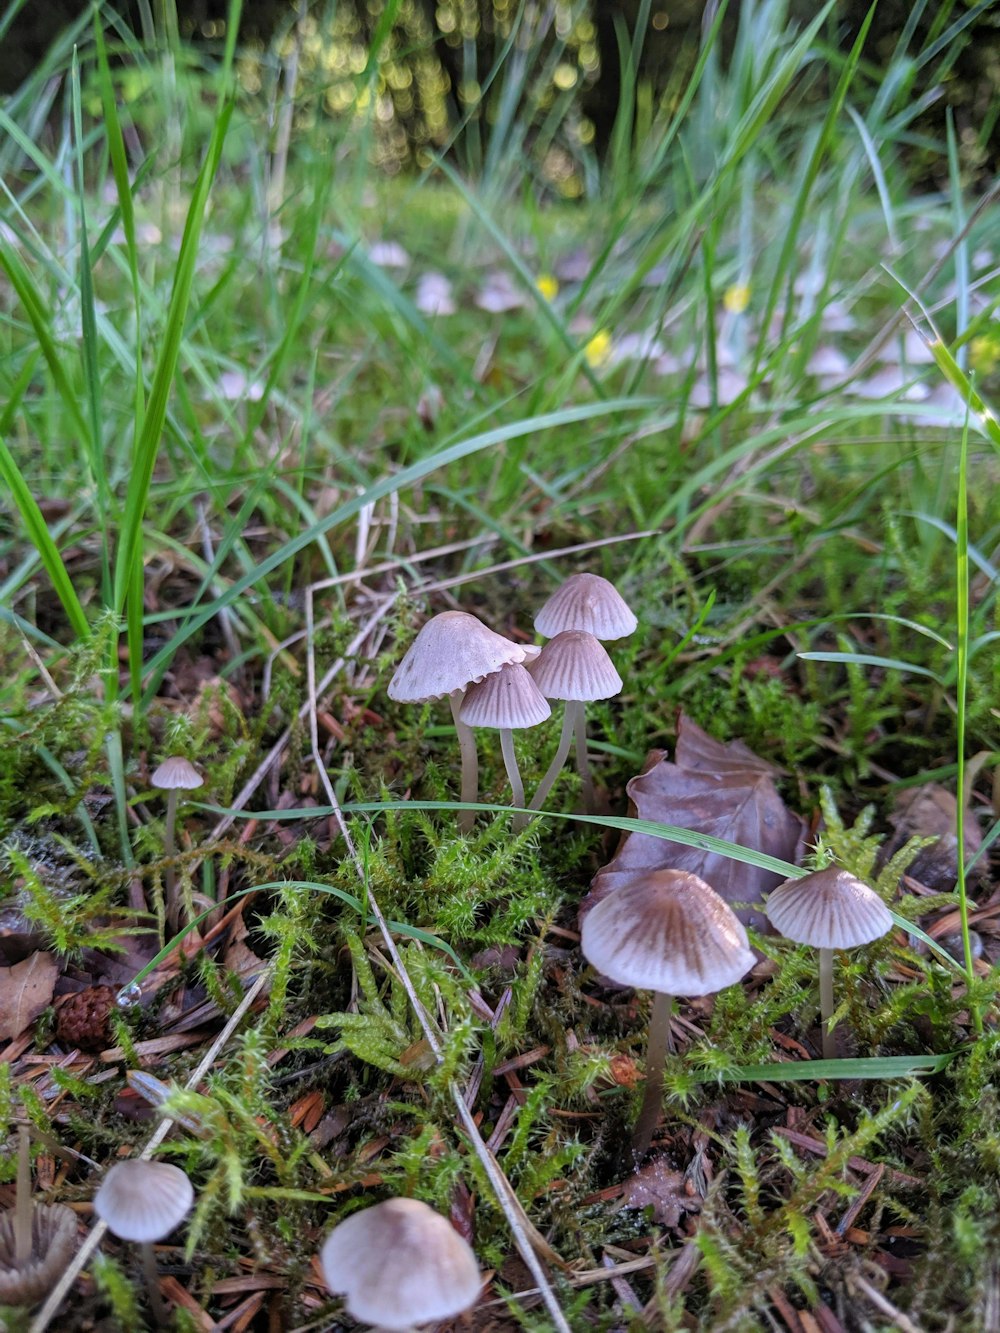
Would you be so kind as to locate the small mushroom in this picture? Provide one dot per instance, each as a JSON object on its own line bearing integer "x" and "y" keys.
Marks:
{"x": 829, "y": 909}
{"x": 36, "y": 1241}
{"x": 143, "y": 1202}
{"x": 506, "y": 700}
{"x": 453, "y": 651}
{"x": 174, "y": 775}
{"x": 573, "y": 667}
{"x": 587, "y": 602}
{"x": 668, "y": 932}
{"x": 398, "y": 1264}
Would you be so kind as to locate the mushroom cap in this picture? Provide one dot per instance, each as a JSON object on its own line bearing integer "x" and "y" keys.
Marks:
{"x": 452, "y": 651}
{"x": 587, "y": 602}
{"x": 667, "y": 931}
{"x": 53, "y": 1244}
{"x": 400, "y": 1263}
{"x": 177, "y": 774}
{"x": 507, "y": 699}
{"x": 574, "y": 665}
{"x": 143, "y": 1201}
{"x": 829, "y": 909}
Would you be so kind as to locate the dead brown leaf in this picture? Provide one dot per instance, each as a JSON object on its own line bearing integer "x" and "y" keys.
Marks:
{"x": 930, "y": 812}
{"x": 723, "y": 789}
{"x": 25, "y": 990}
{"x": 656, "y": 1185}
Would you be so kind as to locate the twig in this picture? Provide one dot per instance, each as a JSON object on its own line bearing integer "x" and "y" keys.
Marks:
{"x": 884, "y": 1305}
{"x": 96, "y": 1235}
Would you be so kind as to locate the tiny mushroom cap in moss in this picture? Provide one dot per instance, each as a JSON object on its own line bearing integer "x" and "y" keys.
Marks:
{"x": 574, "y": 666}
{"x": 177, "y": 774}
{"x": 451, "y": 652}
{"x": 667, "y": 931}
{"x": 143, "y": 1201}
{"x": 587, "y": 602}
{"x": 53, "y": 1244}
{"x": 400, "y": 1263}
{"x": 506, "y": 700}
{"x": 829, "y": 909}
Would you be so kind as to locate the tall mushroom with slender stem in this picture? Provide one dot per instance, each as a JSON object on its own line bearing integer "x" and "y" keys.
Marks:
{"x": 829, "y": 909}
{"x": 143, "y": 1202}
{"x": 668, "y": 932}
{"x": 591, "y": 605}
{"x": 452, "y": 652}
{"x": 573, "y": 667}
{"x": 507, "y": 700}
{"x": 174, "y": 775}
{"x": 37, "y": 1241}
{"x": 399, "y": 1263}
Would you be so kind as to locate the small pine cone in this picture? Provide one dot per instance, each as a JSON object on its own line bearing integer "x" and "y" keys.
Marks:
{"x": 84, "y": 1019}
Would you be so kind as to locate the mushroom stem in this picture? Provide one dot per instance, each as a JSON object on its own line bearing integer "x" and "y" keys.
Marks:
{"x": 470, "y": 763}
{"x": 513, "y": 776}
{"x": 172, "y": 907}
{"x": 22, "y": 1206}
{"x": 578, "y": 710}
{"x": 659, "y": 1043}
{"x": 826, "y": 1003}
{"x": 149, "y": 1271}
{"x": 555, "y": 768}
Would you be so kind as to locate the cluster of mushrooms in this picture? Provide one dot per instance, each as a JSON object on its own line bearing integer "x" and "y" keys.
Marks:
{"x": 493, "y": 682}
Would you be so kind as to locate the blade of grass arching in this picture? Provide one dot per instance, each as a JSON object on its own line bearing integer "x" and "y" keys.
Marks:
{"x": 820, "y": 150}
{"x": 798, "y": 1071}
{"x": 878, "y": 175}
{"x": 146, "y": 448}
{"x": 961, "y": 696}
{"x": 400, "y": 481}
{"x": 119, "y": 168}
{"x": 958, "y": 379}
{"x": 31, "y": 516}
{"x": 869, "y": 659}
{"x": 962, "y": 244}
{"x": 89, "y": 344}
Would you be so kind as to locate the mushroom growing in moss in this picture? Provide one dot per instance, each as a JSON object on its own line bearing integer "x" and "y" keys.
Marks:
{"x": 37, "y": 1241}
{"x": 174, "y": 775}
{"x": 452, "y": 652}
{"x": 507, "y": 700}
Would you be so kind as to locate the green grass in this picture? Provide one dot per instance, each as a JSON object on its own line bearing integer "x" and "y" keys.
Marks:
{"x": 814, "y": 573}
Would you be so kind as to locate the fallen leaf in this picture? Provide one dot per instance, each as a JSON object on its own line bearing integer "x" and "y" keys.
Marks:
{"x": 723, "y": 789}
{"x": 25, "y": 990}
{"x": 930, "y": 812}
{"x": 658, "y": 1187}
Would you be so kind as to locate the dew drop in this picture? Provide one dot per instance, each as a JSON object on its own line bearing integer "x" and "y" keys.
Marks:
{"x": 129, "y": 996}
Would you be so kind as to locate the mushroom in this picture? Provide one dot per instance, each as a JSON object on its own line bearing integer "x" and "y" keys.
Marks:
{"x": 453, "y": 651}
{"x": 144, "y": 1201}
{"x": 507, "y": 699}
{"x": 36, "y": 1242}
{"x": 829, "y": 909}
{"x": 575, "y": 668}
{"x": 399, "y": 1263}
{"x": 174, "y": 775}
{"x": 668, "y": 932}
{"x": 587, "y": 602}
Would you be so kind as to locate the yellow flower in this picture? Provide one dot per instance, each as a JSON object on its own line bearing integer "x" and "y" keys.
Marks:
{"x": 984, "y": 353}
{"x": 548, "y": 286}
{"x": 736, "y": 298}
{"x": 598, "y": 349}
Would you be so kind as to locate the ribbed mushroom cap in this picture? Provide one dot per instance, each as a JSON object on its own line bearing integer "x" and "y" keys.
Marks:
{"x": 451, "y": 652}
{"x": 400, "y": 1263}
{"x": 507, "y": 700}
{"x": 667, "y": 931}
{"x": 177, "y": 774}
{"x": 587, "y": 602}
{"x": 574, "y": 666}
{"x": 53, "y": 1244}
{"x": 143, "y": 1201}
{"x": 828, "y": 909}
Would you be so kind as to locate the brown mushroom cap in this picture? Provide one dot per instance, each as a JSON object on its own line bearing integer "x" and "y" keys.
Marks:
{"x": 451, "y": 652}
{"x": 574, "y": 666}
{"x": 829, "y": 909}
{"x": 587, "y": 602}
{"x": 507, "y": 699}
{"x": 400, "y": 1263}
{"x": 53, "y": 1244}
{"x": 177, "y": 774}
{"x": 667, "y": 931}
{"x": 143, "y": 1201}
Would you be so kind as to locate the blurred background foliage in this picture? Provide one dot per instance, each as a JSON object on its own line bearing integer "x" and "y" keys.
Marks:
{"x": 439, "y": 76}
